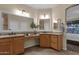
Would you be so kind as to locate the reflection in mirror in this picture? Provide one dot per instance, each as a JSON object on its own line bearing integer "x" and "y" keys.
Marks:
{"x": 44, "y": 24}
{"x": 41, "y": 22}
{"x": 5, "y": 21}
{"x": 57, "y": 24}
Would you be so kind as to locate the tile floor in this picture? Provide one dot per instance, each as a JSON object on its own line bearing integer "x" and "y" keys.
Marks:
{"x": 72, "y": 50}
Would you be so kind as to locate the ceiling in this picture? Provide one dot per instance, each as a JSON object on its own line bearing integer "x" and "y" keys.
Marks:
{"x": 41, "y": 6}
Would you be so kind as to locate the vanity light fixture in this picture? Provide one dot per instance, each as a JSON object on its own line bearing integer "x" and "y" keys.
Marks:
{"x": 18, "y": 12}
{"x": 22, "y": 13}
{"x": 25, "y": 13}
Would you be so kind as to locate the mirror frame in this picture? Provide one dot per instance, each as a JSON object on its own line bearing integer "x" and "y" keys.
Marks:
{"x": 3, "y": 13}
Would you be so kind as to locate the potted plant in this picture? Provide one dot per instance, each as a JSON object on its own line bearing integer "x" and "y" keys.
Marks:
{"x": 33, "y": 26}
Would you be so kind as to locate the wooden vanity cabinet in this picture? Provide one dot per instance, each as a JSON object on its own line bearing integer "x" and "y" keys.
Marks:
{"x": 56, "y": 42}
{"x": 44, "y": 40}
{"x": 12, "y": 45}
{"x": 51, "y": 40}
{"x": 5, "y": 46}
{"x": 18, "y": 45}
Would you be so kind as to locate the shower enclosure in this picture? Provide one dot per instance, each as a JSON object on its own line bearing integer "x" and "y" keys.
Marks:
{"x": 72, "y": 22}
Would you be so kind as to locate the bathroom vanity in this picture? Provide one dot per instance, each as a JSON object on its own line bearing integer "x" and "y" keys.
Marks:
{"x": 12, "y": 44}
{"x": 53, "y": 40}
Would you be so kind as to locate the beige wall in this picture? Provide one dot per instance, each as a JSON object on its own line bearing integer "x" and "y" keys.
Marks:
{"x": 59, "y": 11}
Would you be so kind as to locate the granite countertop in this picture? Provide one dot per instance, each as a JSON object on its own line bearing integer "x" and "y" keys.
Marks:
{"x": 4, "y": 36}
{"x": 2, "y": 33}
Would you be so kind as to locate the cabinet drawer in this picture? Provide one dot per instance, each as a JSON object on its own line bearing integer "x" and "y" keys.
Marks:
{"x": 5, "y": 40}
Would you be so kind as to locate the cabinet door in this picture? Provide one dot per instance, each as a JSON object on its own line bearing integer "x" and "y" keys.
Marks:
{"x": 18, "y": 45}
{"x": 54, "y": 42}
{"x": 60, "y": 42}
{"x": 5, "y": 46}
{"x": 44, "y": 40}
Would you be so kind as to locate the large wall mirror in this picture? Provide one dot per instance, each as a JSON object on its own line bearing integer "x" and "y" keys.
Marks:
{"x": 15, "y": 22}
{"x": 45, "y": 24}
